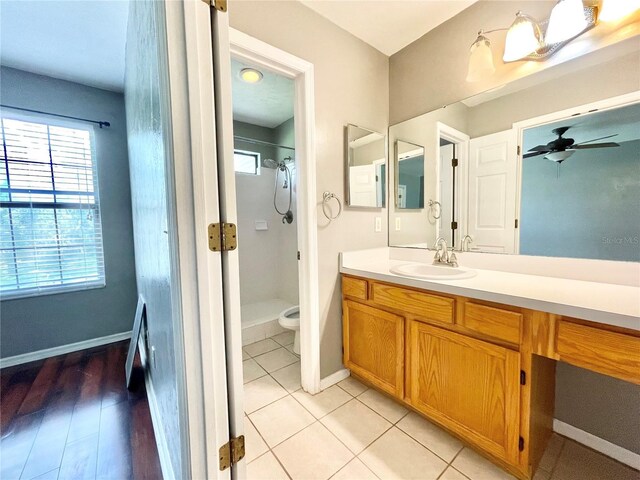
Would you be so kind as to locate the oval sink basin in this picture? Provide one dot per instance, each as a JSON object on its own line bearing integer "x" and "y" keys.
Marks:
{"x": 432, "y": 272}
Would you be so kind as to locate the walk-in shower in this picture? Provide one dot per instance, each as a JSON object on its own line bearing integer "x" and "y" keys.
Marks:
{"x": 281, "y": 166}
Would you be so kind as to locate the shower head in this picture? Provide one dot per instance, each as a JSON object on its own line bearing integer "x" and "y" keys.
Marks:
{"x": 270, "y": 163}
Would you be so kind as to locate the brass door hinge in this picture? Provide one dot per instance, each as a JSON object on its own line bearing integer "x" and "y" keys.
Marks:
{"x": 220, "y": 5}
{"x": 222, "y": 237}
{"x": 231, "y": 452}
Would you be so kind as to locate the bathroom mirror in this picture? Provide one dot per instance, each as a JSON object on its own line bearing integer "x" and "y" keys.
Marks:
{"x": 366, "y": 160}
{"x": 409, "y": 177}
{"x": 545, "y": 165}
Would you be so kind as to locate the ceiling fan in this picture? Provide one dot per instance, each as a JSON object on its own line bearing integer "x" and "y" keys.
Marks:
{"x": 561, "y": 148}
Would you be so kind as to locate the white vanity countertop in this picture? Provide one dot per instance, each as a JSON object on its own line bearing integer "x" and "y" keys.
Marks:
{"x": 605, "y": 303}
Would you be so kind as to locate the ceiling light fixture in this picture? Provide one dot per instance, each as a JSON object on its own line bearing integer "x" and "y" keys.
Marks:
{"x": 528, "y": 39}
{"x": 250, "y": 75}
{"x": 559, "y": 157}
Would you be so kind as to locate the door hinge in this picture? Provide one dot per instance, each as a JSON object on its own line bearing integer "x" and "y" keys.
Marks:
{"x": 220, "y": 5}
{"x": 518, "y": 150}
{"x": 523, "y": 377}
{"x": 298, "y": 255}
{"x": 454, "y": 162}
{"x": 454, "y": 225}
{"x": 231, "y": 452}
{"x": 222, "y": 237}
{"x": 520, "y": 443}
{"x": 516, "y": 223}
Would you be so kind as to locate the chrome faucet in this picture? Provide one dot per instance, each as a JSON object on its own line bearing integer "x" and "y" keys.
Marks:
{"x": 443, "y": 256}
{"x": 466, "y": 240}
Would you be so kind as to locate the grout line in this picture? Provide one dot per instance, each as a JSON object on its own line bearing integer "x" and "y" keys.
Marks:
{"x": 557, "y": 460}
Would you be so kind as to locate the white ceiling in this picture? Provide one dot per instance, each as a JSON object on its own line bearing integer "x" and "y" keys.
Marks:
{"x": 79, "y": 41}
{"x": 267, "y": 103}
{"x": 388, "y": 25}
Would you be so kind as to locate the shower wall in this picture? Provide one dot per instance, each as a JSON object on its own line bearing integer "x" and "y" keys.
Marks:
{"x": 268, "y": 258}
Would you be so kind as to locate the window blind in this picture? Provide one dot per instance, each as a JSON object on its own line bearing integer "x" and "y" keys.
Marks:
{"x": 246, "y": 162}
{"x": 50, "y": 228}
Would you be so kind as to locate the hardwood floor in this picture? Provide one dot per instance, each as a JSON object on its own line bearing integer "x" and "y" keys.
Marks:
{"x": 71, "y": 417}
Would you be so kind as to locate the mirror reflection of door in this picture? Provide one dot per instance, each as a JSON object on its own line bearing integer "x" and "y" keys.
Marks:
{"x": 366, "y": 160}
{"x": 447, "y": 204}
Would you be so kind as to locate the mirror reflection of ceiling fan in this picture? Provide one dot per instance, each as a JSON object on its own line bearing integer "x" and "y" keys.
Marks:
{"x": 561, "y": 148}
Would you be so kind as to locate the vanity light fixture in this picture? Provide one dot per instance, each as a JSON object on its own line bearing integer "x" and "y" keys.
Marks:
{"x": 528, "y": 39}
{"x": 251, "y": 75}
{"x": 614, "y": 10}
{"x": 566, "y": 21}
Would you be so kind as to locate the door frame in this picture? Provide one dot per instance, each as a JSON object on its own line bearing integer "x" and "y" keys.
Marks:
{"x": 580, "y": 110}
{"x": 262, "y": 54}
{"x": 461, "y": 140}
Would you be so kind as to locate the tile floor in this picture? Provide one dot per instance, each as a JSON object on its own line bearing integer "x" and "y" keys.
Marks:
{"x": 351, "y": 432}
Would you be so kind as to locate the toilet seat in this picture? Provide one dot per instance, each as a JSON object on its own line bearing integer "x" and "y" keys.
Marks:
{"x": 290, "y": 318}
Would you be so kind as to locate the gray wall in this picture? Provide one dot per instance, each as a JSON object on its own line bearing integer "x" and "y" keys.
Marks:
{"x": 47, "y": 321}
{"x": 351, "y": 86}
{"x": 580, "y": 395}
{"x": 584, "y": 209}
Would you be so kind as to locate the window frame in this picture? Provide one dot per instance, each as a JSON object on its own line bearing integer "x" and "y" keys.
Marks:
{"x": 53, "y": 121}
{"x": 257, "y": 157}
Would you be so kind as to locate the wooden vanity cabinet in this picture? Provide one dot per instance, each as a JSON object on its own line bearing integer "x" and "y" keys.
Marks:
{"x": 469, "y": 385}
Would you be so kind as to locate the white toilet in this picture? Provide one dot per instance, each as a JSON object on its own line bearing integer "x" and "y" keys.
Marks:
{"x": 290, "y": 319}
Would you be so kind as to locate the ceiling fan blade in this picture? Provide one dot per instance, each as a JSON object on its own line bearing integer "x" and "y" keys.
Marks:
{"x": 539, "y": 148}
{"x": 596, "y": 139}
{"x": 534, "y": 154}
{"x": 595, "y": 145}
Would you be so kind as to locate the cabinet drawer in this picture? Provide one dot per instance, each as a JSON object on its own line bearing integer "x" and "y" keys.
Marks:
{"x": 354, "y": 287}
{"x": 429, "y": 307}
{"x": 492, "y": 322}
{"x": 610, "y": 353}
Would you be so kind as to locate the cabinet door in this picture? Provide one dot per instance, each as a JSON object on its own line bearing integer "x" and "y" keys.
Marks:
{"x": 468, "y": 385}
{"x": 374, "y": 346}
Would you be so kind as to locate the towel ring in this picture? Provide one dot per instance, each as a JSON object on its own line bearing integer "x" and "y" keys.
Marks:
{"x": 432, "y": 204}
{"x": 326, "y": 198}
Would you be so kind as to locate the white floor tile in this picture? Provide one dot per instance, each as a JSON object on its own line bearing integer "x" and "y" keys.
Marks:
{"x": 395, "y": 455}
{"x": 477, "y": 467}
{"x": 324, "y": 402}
{"x": 280, "y": 420}
{"x": 245, "y": 355}
{"x": 355, "y": 425}
{"x": 452, "y": 474}
{"x": 312, "y": 454}
{"x": 383, "y": 405}
{"x": 577, "y": 462}
{"x": 251, "y": 370}
{"x": 276, "y": 359}
{"x": 266, "y": 468}
{"x": 354, "y": 470}
{"x": 552, "y": 452}
{"x": 254, "y": 446}
{"x": 261, "y": 392}
{"x": 285, "y": 338}
{"x": 263, "y": 346}
{"x": 431, "y": 436}
{"x": 288, "y": 377}
{"x": 352, "y": 386}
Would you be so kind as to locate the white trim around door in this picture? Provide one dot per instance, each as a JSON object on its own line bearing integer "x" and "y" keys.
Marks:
{"x": 264, "y": 55}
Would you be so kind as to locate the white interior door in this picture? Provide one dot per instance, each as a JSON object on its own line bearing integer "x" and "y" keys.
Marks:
{"x": 492, "y": 192}
{"x": 362, "y": 185}
{"x": 210, "y": 129}
{"x": 228, "y": 214}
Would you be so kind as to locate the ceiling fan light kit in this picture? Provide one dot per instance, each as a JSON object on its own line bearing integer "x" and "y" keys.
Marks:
{"x": 528, "y": 39}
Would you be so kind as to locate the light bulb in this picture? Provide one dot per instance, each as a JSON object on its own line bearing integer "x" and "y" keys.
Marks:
{"x": 613, "y": 10}
{"x": 523, "y": 38}
{"x": 567, "y": 20}
{"x": 480, "y": 59}
{"x": 250, "y": 75}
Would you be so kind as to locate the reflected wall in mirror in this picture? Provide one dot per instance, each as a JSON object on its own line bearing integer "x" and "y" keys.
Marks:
{"x": 365, "y": 167}
{"x": 500, "y": 197}
{"x": 409, "y": 178}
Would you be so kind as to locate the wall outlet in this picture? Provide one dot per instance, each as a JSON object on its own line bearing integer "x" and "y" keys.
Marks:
{"x": 398, "y": 224}
{"x": 378, "y": 227}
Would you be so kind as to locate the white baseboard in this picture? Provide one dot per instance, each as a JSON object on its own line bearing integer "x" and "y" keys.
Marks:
{"x": 334, "y": 378}
{"x": 598, "y": 444}
{"x": 62, "y": 349}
